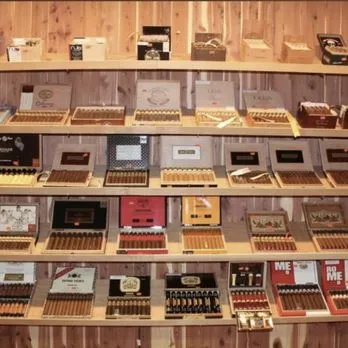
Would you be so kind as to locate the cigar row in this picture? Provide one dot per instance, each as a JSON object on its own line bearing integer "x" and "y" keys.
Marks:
{"x": 142, "y": 240}
{"x": 157, "y": 115}
{"x": 128, "y": 306}
{"x": 269, "y": 117}
{"x": 316, "y": 110}
{"x": 299, "y": 178}
{"x": 340, "y": 298}
{"x": 339, "y": 176}
{"x": 22, "y": 290}
{"x": 274, "y": 242}
{"x": 203, "y": 238}
{"x": 75, "y": 241}
{"x": 215, "y": 116}
{"x": 69, "y": 176}
{"x": 249, "y": 300}
{"x": 301, "y": 297}
{"x": 126, "y": 177}
{"x": 251, "y": 178}
{"x": 13, "y": 307}
{"x": 332, "y": 240}
{"x": 99, "y": 113}
{"x": 46, "y": 116}
{"x": 9, "y": 243}
{"x": 187, "y": 176}
{"x": 68, "y": 305}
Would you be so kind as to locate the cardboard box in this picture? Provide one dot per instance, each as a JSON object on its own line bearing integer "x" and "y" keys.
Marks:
{"x": 334, "y": 49}
{"x": 102, "y": 115}
{"x": 88, "y": 49}
{"x": 343, "y": 119}
{"x": 25, "y": 50}
{"x": 208, "y": 47}
{"x": 316, "y": 115}
{"x": 295, "y": 50}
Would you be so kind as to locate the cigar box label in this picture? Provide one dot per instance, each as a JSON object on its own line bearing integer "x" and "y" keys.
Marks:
{"x": 17, "y": 277}
{"x": 334, "y": 274}
{"x": 262, "y": 99}
{"x": 247, "y": 275}
{"x": 257, "y": 43}
{"x": 261, "y": 223}
{"x": 182, "y": 152}
{"x": 190, "y": 281}
{"x": 51, "y": 97}
{"x": 18, "y": 218}
{"x": 75, "y": 158}
{"x": 289, "y": 156}
{"x": 129, "y": 286}
{"x": 17, "y": 272}
{"x": 337, "y": 155}
{"x": 128, "y": 152}
{"x": 215, "y": 94}
{"x": 76, "y": 52}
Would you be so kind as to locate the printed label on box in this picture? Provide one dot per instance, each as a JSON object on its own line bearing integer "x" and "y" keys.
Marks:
{"x": 17, "y": 272}
{"x": 128, "y": 152}
{"x": 186, "y": 152}
{"x": 294, "y": 272}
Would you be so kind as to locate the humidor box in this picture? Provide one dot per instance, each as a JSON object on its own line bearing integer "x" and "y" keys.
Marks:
{"x": 333, "y": 48}
{"x": 127, "y": 160}
{"x": 201, "y": 219}
{"x": 292, "y": 165}
{"x": 71, "y": 294}
{"x": 343, "y": 119}
{"x": 215, "y": 104}
{"x": 316, "y": 115}
{"x": 104, "y": 115}
{"x": 327, "y": 226}
{"x": 192, "y": 296}
{"x": 296, "y": 50}
{"x": 269, "y": 231}
{"x": 209, "y": 47}
{"x": 186, "y": 161}
{"x": 24, "y": 50}
{"x": 78, "y": 227}
{"x": 129, "y": 298}
{"x": 88, "y": 48}
{"x": 73, "y": 165}
{"x": 142, "y": 225}
{"x": 157, "y": 103}
{"x": 17, "y": 286}
{"x": 296, "y": 289}
{"x": 248, "y": 298}
{"x": 246, "y": 165}
{"x": 20, "y": 159}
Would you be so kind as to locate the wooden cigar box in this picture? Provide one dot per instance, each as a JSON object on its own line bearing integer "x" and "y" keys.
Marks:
{"x": 296, "y": 289}
{"x": 209, "y": 47}
{"x": 334, "y": 280}
{"x": 334, "y": 158}
{"x": 20, "y": 159}
{"x": 25, "y": 50}
{"x": 17, "y": 286}
{"x": 192, "y": 296}
{"x": 327, "y": 225}
{"x": 246, "y": 165}
{"x": 42, "y": 105}
{"x": 201, "y": 219}
{"x": 215, "y": 104}
{"x": 127, "y": 160}
{"x": 78, "y": 227}
{"x": 73, "y": 165}
{"x": 316, "y": 115}
{"x": 292, "y": 164}
{"x": 157, "y": 103}
{"x": 129, "y": 297}
{"x": 296, "y": 50}
{"x": 269, "y": 231}
{"x": 333, "y": 48}
{"x": 343, "y": 119}
{"x": 104, "y": 115}
{"x": 71, "y": 294}
{"x": 247, "y": 296}
{"x": 143, "y": 224}
{"x": 186, "y": 161}
{"x": 88, "y": 49}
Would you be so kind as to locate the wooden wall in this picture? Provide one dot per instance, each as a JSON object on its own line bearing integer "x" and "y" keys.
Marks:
{"x": 58, "y": 21}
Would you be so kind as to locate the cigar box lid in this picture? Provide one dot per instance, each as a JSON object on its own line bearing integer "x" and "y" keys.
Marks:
{"x": 80, "y": 215}
{"x": 239, "y": 274}
{"x": 294, "y": 272}
{"x": 215, "y": 94}
{"x": 17, "y": 272}
{"x": 186, "y": 152}
{"x": 157, "y": 30}
{"x": 200, "y": 211}
{"x": 240, "y": 156}
{"x": 262, "y": 99}
{"x": 267, "y": 222}
{"x": 79, "y": 280}
{"x": 74, "y": 157}
{"x": 142, "y": 211}
{"x": 158, "y": 94}
{"x": 190, "y": 281}
{"x": 128, "y": 151}
{"x": 334, "y": 154}
{"x": 21, "y": 151}
{"x": 330, "y": 40}
{"x": 290, "y": 155}
{"x": 204, "y": 37}
{"x": 129, "y": 286}
{"x": 334, "y": 274}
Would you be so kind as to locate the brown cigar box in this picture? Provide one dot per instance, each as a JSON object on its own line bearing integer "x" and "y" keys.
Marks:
{"x": 296, "y": 50}
{"x": 88, "y": 49}
{"x": 343, "y": 119}
{"x": 334, "y": 49}
{"x": 25, "y": 50}
{"x": 316, "y": 115}
{"x": 208, "y": 47}
{"x": 103, "y": 115}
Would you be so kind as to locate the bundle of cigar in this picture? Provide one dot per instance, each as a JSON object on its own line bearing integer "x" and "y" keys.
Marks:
{"x": 256, "y": 177}
{"x": 68, "y": 176}
{"x": 301, "y": 297}
{"x": 269, "y": 117}
{"x": 17, "y": 176}
{"x": 103, "y": 115}
{"x": 299, "y": 178}
{"x": 137, "y": 307}
{"x": 142, "y": 240}
{"x": 68, "y": 305}
{"x": 249, "y": 300}
{"x": 273, "y": 242}
{"x": 203, "y": 238}
{"x": 21, "y": 290}
{"x": 340, "y": 298}
{"x": 157, "y": 115}
{"x": 75, "y": 241}
{"x": 187, "y": 177}
{"x": 13, "y": 307}
{"x": 126, "y": 177}
{"x": 216, "y": 116}
{"x": 337, "y": 49}
{"x": 39, "y": 116}
{"x": 15, "y": 243}
{"x": 340, "y": 177}
{"x": 330, "y": 240}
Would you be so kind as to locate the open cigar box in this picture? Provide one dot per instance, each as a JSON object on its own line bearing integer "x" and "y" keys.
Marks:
{"x": 78, "y": 227}
{"x": 296, "y": 50}
{"x": 192, "y": 296}
{"x": 88, "y": 48}
{"x": 128, "y": 160}
{"x": 73, "y": 165}
{"x": 20, "y": 159}
{"x": 246, "y": 165}
{"x": 296, "y": 289}
{"x": 215, "y": 104}
{"x": 334, "y": 280}
{"x": 343, "y": 119}
{"x": 25, "y": 50}
{"x": 142, "y": 225}
{"x": 202, "y": 232}
{"x": 187, "y": 161}
{"x": 104, "y": 115}
{"x": 19, "y": 227}
{"x": 334, "y": 157}
{"x": 248, "y": 298}
{"x": 157, "y": 103}
{"x": 316, "y": 115}
{"x": 71, "y": 294}
{"x": 208, "y": 47}
{"x": 327, "y": 226}
{"x": 292, "y": 165}
{"x": 333, "y": 48}
{"x": 129, "y": 298}
{"x": 265, "y": 109}
{"x": 269, "y": 231}
{"x": 42, "y": 105}
{"x": 17, "y": 285}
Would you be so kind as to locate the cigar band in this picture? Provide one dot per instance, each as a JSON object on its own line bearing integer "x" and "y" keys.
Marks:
{"x": 130, "y": 284}
{"x": 190, "y": 280}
